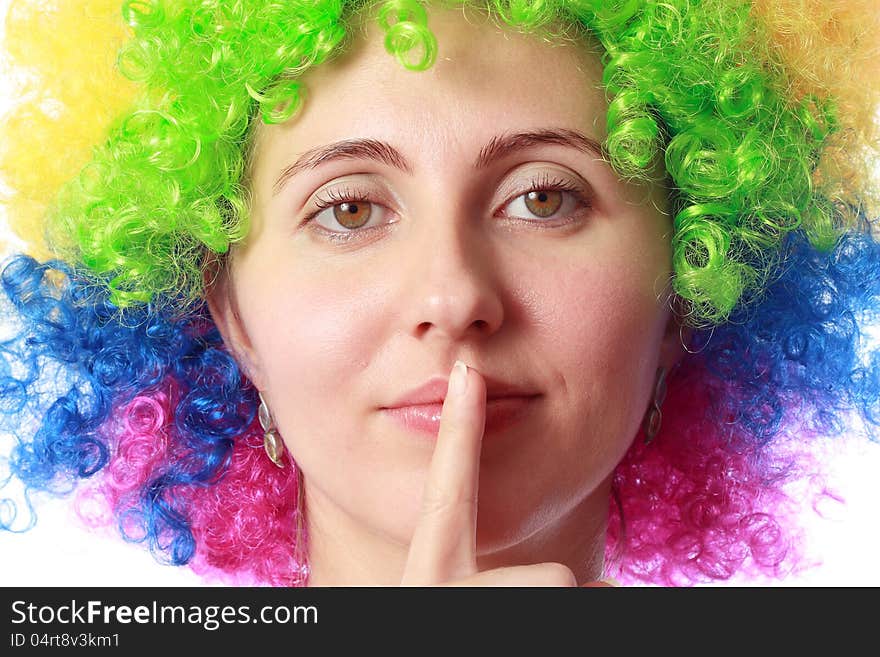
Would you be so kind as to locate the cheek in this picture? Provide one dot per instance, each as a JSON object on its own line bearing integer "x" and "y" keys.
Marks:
{"x": 593, "y": 328}
{"x": 604, "y": 324}
{"x": 313, "y": 340}
{"x": 602, "y": 327}
{"x": 310, "y": 336}
{"x": 316, "y": 343}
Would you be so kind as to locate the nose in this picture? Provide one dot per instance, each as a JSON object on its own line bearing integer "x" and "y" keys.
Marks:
{"x": 455, "y": 294}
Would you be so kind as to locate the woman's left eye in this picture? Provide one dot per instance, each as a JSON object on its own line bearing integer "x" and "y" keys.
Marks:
{"x": 544, "y": 204}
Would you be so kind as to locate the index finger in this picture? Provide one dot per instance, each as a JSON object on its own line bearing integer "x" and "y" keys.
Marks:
{"x": 443, "y": 546}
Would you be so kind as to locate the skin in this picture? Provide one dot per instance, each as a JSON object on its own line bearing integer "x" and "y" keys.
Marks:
{"x": 452, "y": 267}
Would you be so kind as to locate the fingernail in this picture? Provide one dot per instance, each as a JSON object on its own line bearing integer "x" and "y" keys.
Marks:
{"x": 458, "y": 379}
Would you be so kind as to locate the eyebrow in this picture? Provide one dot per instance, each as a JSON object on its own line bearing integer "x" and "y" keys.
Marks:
{"x": 498, "y": 147}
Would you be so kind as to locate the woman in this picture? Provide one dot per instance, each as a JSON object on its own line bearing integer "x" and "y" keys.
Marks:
{"x": 356, "y": 223}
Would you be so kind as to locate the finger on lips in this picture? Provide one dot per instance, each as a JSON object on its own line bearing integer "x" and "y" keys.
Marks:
{"x": 444, "y": 541}
{"x": 443, "y": 548}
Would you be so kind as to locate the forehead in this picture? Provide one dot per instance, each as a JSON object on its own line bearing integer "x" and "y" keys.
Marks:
{"x": 486, "y": 79}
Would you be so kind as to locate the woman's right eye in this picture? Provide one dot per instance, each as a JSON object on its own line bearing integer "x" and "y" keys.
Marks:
{"x": 343, "y": 213}
{"x": 351, "y": 215}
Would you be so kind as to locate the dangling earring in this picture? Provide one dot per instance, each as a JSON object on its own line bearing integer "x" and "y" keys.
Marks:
{"x": 271, "y": 441}
{"x": 654, "y": 417}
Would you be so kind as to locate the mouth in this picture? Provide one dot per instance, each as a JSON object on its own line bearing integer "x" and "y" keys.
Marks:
{"x": 501, "y": 413}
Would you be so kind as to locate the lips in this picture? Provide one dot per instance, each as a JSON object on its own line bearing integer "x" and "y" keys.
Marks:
{"x": 433, "y": 391}
{"x": 501, "y": 413}
{"x": 419, "y": 409}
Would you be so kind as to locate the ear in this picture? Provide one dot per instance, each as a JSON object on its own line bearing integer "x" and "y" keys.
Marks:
{"x": 676, "y": 335}
{"x": 222, "y": 304}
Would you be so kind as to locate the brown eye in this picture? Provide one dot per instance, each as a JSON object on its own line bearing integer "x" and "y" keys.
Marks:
{"x": 352, "y": 215}
{"x": 543, "y": 203}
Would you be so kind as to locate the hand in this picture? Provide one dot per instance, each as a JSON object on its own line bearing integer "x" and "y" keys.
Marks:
{"x": 444, "y": 544}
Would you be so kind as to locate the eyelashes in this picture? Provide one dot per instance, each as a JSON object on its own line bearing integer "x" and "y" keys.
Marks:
{"x": 345, "y": 213}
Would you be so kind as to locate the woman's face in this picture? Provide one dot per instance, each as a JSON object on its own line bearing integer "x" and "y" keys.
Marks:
{"x": 441, "y": 254}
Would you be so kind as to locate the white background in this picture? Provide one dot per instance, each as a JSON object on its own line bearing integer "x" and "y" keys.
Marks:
{"x": 61, "y": 551}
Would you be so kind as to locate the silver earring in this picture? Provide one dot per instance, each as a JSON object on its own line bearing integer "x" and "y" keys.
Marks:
{"x": 271, "y": 440}
{"x": 654, "y": 416}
